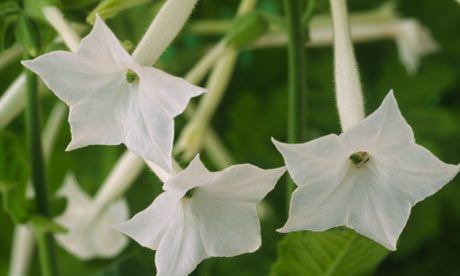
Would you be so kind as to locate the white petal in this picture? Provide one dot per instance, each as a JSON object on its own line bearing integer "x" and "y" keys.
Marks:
{"x": 69, "y": 76}
{"x": 227, "y": 228}
{"x": 172, "y": 93}
{"x": 71, "y": 190}
{"x": 72, "y": 76}
{"x": 375, "y": 209}
{"x": 318, "y": 160}
{"x": 196, "y": 174}
{"x": 317, "y": 167}
{"x": 107, "y": 241}
{"x": 148, "y": 226}
{"x": 416, "y": 173}
{"x": 181, "y": 248}
{"x": 243, "y": 183}
{"x": 384, "y": 131}
{"x": 101, "y": 48}
{"x": 87, "y": 238}
{"x": 150, "y": 132}
{"x": 414, "y": 41}
{"x": 101, "y": 117}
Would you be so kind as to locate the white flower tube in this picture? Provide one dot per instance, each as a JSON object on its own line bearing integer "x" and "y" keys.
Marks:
{"x": 164, "y": 28}
{"x": 195, "y": 132}
{"x": 22, "y": 249}
{"x": 347, "y": 81}
{"x": 54, "y": 16}
{"x": 9, "y": 55}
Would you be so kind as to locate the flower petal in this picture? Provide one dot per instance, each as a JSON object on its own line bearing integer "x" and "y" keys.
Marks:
{"x": 149, "y": 226}
{"x": 70, "y": 77}
{"x": 150, "y": 133}
{"x": 101, "y": 48}
{"x": 101, "y": 117}
{"x": 416, "y": 173}
{"x": 375, "y": 209}
{"x": 317, "y": 167}
{"x": 196, "y": 174}
{"x": 87, "y": 238}
{"x": 243, "y": 183}
{"x": 384, "y": 131}
{"x": 317, "y": 159}
{"x": 227, "y": 228}
{"x": 181, "y": 248}
{"x": 106, "y": 240}
{"x": 170, "y": 92}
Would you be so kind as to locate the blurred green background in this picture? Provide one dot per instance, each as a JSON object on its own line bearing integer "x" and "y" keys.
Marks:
{"x": 254, "y": 109}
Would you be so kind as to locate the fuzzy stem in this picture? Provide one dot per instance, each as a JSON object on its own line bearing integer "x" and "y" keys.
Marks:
{"x": 296, "y": 74}
{"x": 347, "y": 81}
{"x": 48, "y": 262}
{"x": 163, "y": 29}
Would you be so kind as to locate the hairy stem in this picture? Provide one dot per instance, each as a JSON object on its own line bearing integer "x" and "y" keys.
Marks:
{"x": 163, "y": 29}
{"x": 347, "y": 81}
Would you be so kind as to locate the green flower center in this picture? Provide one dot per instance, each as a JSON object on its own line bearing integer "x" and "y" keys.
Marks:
{"x": 189, "y": 193}
{"x": 359, "y": 158}
{"x": 131, "y": 76}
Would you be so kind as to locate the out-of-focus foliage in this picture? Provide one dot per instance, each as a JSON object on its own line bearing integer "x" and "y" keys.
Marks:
{"x": 13, "y": 178}
{"x": 254, "y": 109}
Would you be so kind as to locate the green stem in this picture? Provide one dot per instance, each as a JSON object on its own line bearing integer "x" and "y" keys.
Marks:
{"x": 296, "y": 71}
{"x": 45, "y": 241}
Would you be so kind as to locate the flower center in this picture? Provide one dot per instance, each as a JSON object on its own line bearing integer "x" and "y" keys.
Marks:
{"x": 189, "y": 193}
{"x": 131, "y": 76}
{"x": 359, "y": 158}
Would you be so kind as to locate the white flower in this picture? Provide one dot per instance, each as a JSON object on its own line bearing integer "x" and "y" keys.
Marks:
{"x": 366, "y": 178}
{"x": 414, "y": 41}
{"x": 113, "y": 99}
{"x": 203, "y": 214}
{"x": 90, "y": 233}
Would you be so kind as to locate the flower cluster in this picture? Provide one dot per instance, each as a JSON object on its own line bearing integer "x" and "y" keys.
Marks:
{"x": 366, "y": 178}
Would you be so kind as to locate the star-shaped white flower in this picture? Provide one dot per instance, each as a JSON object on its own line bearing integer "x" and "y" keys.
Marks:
{"x": 90, "y": 233}
{"x": 113, "y": 99}
{"x": 367, "y": 178}
{"x": 203, "y": 214}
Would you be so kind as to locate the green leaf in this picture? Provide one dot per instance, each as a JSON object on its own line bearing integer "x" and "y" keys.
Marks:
{"x": 7, "y": 27}
{"x": 334, "y": 252}
{"x": 27, "y": 35}
{"x": 13, "y": 178}
{"x": 8, "y": 8}
{"x": 110, "y": 8}
{"x": 45, "y": 225}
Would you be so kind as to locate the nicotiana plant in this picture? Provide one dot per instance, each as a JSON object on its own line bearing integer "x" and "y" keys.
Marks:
{"x": 367, "y": 178}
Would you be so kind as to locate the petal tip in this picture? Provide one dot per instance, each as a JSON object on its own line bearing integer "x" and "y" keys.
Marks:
{"x": 283, "y": 230}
